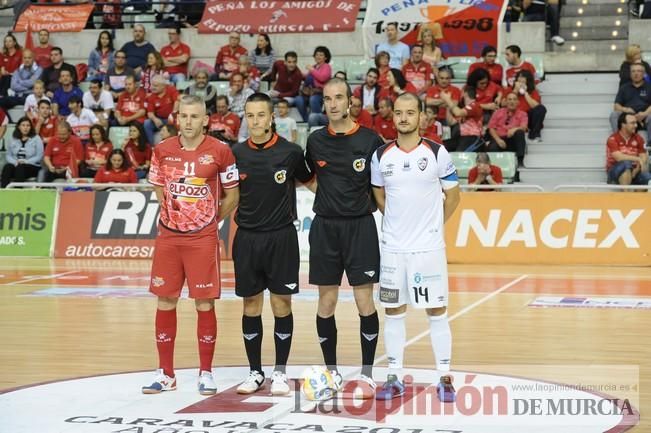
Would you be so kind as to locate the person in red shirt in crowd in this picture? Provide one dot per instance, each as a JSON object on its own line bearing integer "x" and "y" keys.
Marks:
{"x": 116, "y": 170}
{"x": 485, "y": 173}
{"x": 507, "y": 127}
{"x": 470, "y": 118}
{"x": 196, "y": 183}
{"x": 488, "y": 94}
{"x": 359, "y": 114}
{"x": 176, "y": 56}
{"x": 530, "y": 102}
{"x": 429, "y": 127}
{"x": 155, "y": 66}
{"x": 168, "y": 131}
{"x": 250, "y": 73}
{"x": 369, "y": 92}
{"x": 382, "y": 60}
{"x": 627, "y": 158}
{"x": 63, "y": 153}
{"x": 433, "y": 95}
{"x": 288, "y": 78}
{"x": 397, "y": 85}
{"x": 418, "y": 72}
{"x": 10, "y": 60}
{"x": 160, "y": 104}
{"x": 383, "y": 121}
{"x": 228, "y": 57}
{"x": 138, "y": 150}
{"x": 495, "y": 70}
{"x": 45, "y": 123}
{"x": 97, "y": 151}
{"x": 131, "y": 103}
{"x": 224, "y": 121}
{"x": 512, "y": 55}
{"x": 43, "y": 49}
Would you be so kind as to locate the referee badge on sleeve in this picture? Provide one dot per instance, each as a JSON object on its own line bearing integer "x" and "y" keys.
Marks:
{"x": 280, "y": 176}
{"x": 359, "y": 165}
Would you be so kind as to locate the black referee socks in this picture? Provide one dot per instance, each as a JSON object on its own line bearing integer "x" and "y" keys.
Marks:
{"x": 283, "y": 331}
{"x": 252, "y": 333}
{"x": 369, "y": 327}
{"x": 326, "y": 329}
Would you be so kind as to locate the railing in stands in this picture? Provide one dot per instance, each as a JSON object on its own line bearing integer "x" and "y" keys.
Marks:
{"x": 80, "y": 185}
{"x": 504, "y": 187}
{"x": 600, "y": 187}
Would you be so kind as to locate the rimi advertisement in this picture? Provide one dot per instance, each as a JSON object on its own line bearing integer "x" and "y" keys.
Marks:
{"x": 26, "y": 222}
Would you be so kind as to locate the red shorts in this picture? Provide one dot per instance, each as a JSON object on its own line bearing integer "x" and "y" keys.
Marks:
{"x": 178, "y": 257}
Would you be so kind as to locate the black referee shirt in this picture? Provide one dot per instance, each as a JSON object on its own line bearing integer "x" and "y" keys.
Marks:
{"x": 267, "y": 189}
{"x": 342, "y": 164}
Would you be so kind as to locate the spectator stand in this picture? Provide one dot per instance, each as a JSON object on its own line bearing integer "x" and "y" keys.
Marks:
{"x": 506, "y": 161}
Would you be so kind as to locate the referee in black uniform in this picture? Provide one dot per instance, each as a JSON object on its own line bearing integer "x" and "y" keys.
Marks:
{"x": 343, "y": 235}
{"x": 265, "y": 248}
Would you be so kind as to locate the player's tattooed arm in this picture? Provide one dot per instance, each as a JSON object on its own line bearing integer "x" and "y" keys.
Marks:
{"x": 228, "y": 202}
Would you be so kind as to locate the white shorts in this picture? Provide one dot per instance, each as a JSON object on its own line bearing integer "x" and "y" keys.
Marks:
{"x": 419, "y": 279}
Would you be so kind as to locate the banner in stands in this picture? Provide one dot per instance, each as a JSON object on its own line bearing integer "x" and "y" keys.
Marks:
{"x": 460, "y": 27}
{"x": 54, "y": 18}
{"x": 26, "y": 222}
{"x": 115, "y": 225}
{"x": 276, "y": 16}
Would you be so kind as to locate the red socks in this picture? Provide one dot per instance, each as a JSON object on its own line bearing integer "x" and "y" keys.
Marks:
{"x": 165, "y": 336}
{"x": 207, "y": 335}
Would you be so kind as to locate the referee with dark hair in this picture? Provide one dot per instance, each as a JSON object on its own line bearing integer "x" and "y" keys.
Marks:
{"x": 343, "y": 235}
{"x": 265, "y": 248}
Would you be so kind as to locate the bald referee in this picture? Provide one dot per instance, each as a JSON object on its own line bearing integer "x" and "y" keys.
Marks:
{"x": 343, "y": 235}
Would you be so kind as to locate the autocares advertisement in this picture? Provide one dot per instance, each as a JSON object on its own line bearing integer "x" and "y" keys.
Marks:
{"x": 26, "y": 222}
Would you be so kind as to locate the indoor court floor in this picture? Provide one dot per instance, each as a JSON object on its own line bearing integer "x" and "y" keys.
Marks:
{"x": 66, "y": 319}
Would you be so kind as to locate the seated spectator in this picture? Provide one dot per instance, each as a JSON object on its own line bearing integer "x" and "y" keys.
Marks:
{"x": 115, "y": 80}
{"x": 160, "y": 104}
{"x": 382, "y": 60}
{"x": 418, "y": 72}
{"x": 341, "y": 75}
{"x": 397, "y": 85}
{"x": 530, "y": 102}
{"x": 97, "y": 151}
{"x": 633, "y": 55}
{"x": 359, "y": 114}
{"x": 80, "y": 119}
{"x": 627, "y": 158}
{"x": 287, "y": 78}
{"x": 137, "y": 49}
{"x": 238, "y": 94}
{"x": 383, "y": 121}
{"x": 228, "y": 57}
{"x": 116, "y": 170}
{"x": 543, "y": 10}
{"x": 62, "y": 154}
{"x": 431, "y": 52}
{"x": 315, "y": 78}
{"x": 203, "y": 89}
{"x": 488, "y": 94}
{"x": 46, "y": 123}
{"x": 43, "y": 49}
{"x": 634, "y": 98}
{"x": 168, "y": 130}
{"x": 285, "y": 125}
{"x": 63, "y": 94}
{"x": 470, "y": 119}
{"x": 507, "y": 127}
{"x": 137, "y": 149}
{"x": 512, "y": 55}
{"x": 369, "y": 92}
{"x": 100, "y": 59}
{"x": 224, "y": 122}
{"x": 22, "y": 81}
{"x": 24, "y": 154}
{"x": 398, "y": 51}
{"x": 433, "y": 94}
{"x": 263, "y": 56}
{"x": 175, "y": 56}
{"x": 31, "y": 102}
{"x": 485, "y": 173}
{"x": 155, "y": 67}
{"x": 99, "y": 101}
{"x": 51, "y": 75}
{"x": 489, "y": 57}
{"x": 131, "y": 104}
{"x": 250, "y": 74}
{"x": 10, "y": 59}
{"x": 429, "y": 127}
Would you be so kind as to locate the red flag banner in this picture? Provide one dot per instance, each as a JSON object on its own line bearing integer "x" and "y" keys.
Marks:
{"x": 54, "y": 18}
{"x": 256, "y": 16}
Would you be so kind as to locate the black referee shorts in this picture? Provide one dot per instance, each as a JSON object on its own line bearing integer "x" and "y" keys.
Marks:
{"x": 338, "y": 244}
{"x": 266, "y": 260}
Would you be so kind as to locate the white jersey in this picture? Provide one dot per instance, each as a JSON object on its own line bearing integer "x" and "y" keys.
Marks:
{"x": 81, "y": 124}
{"x": 413, "y": 183}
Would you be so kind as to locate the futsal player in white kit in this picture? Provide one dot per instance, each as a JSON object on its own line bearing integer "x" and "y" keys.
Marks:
{"x": 416, "y": 186}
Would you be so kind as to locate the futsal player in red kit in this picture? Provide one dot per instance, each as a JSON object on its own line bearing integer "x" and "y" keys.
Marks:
{"x": 189, "y": 172}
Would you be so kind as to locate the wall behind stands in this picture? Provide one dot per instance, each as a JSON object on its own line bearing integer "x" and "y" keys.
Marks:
{"x": 639, "y": 32}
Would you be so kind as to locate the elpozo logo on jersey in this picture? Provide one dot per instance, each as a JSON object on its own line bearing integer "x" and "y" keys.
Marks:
{"x": 114, "y": 403}
{"x": 359, "y": 165}
{"x": 192, "y": 189}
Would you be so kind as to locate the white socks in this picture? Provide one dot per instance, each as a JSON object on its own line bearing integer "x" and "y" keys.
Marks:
{"x": 439, "y": 332}
{"x": 395, "y": 337}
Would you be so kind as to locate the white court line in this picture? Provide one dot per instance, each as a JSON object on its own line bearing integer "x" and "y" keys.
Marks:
{"x": 39, "y": 277}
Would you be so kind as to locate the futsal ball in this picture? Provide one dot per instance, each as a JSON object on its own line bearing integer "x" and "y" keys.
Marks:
{"x": 318, "y": 384}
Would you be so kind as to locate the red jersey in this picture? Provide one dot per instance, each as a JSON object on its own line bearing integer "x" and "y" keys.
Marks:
{"x": 488, "y": 95}
{"x": 61, "y": 153}
{"x": 522, "y": 101}
{"x": 495, "y": 71}
{"x": 229, "y": 122}
{"x": 512, "y": 71}
{"x": 116, "y": 176}
{"x": 434, "y": 92}
{"x": 128, "y": 104}
{"x": 192, "y": 181}
{"x": 634, "y": 146}
{"x": 388, "y": 92}
{"x": 228, "y": 59}
{"x": 365, "y": 119}
{"x": 170, "y": 51}
{"x": 382, "y": 79}
{"x": 11, "y": 62}
{"x": 418, "y": 75}
{"x": 137, "y": 157}
{"x": 48, "y": 129}
{"x": 385, "y": 127}
{"x": 472, "y": 123}
{"x": 42, "y": 56}
{"x": 496, "y": 174}
{"x": 162, "y": 105}
{"x": 93, "y": 151}
{"x": 433, "y": 132}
